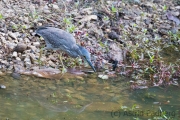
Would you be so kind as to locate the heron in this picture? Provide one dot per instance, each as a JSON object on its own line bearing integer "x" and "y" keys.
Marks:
{"x": 58, "y": 39}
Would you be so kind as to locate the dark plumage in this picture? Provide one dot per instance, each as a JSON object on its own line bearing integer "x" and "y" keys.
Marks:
{"x": 58, "y": 39}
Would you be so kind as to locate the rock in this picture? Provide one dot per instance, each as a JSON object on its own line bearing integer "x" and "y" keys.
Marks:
{"x": 1, "y": 73}
{"x": 14, "y": 54}
{"x": 113, "y": 35}
{"x": 92, "y": 81}
{"x": 116, "y": 53}
{"x": 27, "y": 61}
{"x": 16, "y": 75}
{"x": 37, "y": 44}
{"x": 55, "y": 6}
{"x": 46, "y": 9}
{"x": 21, "y": 47}
{"x": 2, "y": 86}
{"x": 11, "y": 46}
{"x": 12, "y": 35}
{"x": 26, "y": 19}
{"x": 26, "y": 40}
{"x": 78, "y": 96}
{"x": 18, "y": 58}
{"x": 3, "y": 39}
{"x": 88, "y": 18}
{"x": 80, "y": 88}
{"x": 44, "y": 73}
{"x": 69, "y": 91}
{"x": 80, "y": 78}
{"x": 51, "y": 63}
{"x": 52, "y": 88}
{"x": 32, "y": 57}
{"x": 156, "y": 1}
{"x": 33, "y": 48}
{"x": 104, "y": 77}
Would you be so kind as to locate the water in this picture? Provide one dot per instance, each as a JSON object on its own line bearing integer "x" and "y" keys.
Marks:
{"x": 31, "y": 98}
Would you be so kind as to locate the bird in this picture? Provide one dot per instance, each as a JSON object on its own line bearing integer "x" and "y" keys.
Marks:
{"x": 58, "y": 39}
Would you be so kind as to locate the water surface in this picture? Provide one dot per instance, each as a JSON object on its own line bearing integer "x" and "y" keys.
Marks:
{"x": 88, "y": 98}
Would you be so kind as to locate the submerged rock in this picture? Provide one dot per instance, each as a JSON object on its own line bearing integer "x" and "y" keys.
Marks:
{"x": 16, "y": 75}
{"x": 2, "y": 87}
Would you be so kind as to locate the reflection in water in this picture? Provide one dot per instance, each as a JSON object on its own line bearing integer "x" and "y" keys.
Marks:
{"x": 61, "y": 107}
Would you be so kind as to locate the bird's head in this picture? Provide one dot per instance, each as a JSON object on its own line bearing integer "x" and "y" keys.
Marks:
{"x": 84, "y": 53}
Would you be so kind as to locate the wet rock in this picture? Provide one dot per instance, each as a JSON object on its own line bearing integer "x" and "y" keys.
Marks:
{"x": 92, "y": 81}
{"x": 2, "y": 86}
{"x": 80, "y": 97}
{"x": 21, "y": 47}
{"x": 80, "y": 88}
{"x": 69, "y": 91}
{"x": 52, "y": 88}
{"x": 44, "y": 73}
{"x": 104, "y": 77}
{"x": 16, "y": 75}
{"x": 1, "y": 73}
{"x": 80, "y": 78}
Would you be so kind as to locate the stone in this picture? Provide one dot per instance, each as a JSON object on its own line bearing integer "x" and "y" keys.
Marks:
{"x": 21, "y": 47}
{"x": 14, "y": 54}
{"x": 37, "y": 44}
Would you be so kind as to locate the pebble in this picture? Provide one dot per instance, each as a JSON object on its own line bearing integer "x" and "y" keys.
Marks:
{"x": 21, "y": 47}
{"x": 51, "y": 63}
{"x": 55, "y": 6}
{"x": 37, "y": 44}
{"x": 2, "y": 86}
{"x": 52, "y": 88}
{"x": 18, "y": 58}
{"x": 13, "y": 35}
{"x": 14, "y": 54}
{"x": 16, "y": 75}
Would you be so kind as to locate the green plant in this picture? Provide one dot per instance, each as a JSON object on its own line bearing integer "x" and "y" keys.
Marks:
{"x": 15, "y": 27}
{"x": 151, "y": 58}
{"x": 67, "y": 21}
{"x": 165, "y": 7}
{"x": 71, "y": 28}
{"x": 1, "y": 16}
{"x": 113, "y": 9}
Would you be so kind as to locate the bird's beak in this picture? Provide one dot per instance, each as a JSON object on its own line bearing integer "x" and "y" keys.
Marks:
{"x": 89, "y": 62}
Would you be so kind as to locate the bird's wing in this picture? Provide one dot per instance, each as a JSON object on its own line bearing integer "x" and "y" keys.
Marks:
{"x": 57, "y": 38}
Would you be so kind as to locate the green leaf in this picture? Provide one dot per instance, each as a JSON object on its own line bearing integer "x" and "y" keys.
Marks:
{"x": 1, "y": 16}
{"x": 113, "y": 9}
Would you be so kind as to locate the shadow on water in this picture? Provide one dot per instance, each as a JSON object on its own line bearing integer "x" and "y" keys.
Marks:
{"x": 30, "y": 98}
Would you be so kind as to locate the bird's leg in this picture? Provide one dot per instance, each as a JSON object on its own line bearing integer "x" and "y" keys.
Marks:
{"x": 39, "y": 59}
{"x": 60, "y": 58}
